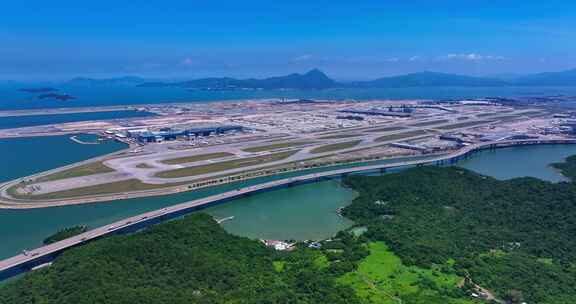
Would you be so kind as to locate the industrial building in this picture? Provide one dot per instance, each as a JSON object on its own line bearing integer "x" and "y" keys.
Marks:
{"x": 164, "y": 134}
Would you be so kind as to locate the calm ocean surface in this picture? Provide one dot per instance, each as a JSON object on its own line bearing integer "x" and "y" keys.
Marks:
{"x": 12, "y": 98}
{"x": 38, "y": 120}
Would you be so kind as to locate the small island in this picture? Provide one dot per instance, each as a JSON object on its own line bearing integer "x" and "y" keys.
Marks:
{"x": 61, "y": 97}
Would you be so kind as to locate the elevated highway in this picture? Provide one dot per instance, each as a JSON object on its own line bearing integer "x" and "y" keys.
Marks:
{"x": 31, "y": 259}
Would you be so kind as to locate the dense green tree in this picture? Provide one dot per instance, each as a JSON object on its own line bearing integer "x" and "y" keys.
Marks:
{"x": 192, "y": 260}
{"x": 568, "y": 167}
{"x": 515, "y": 237}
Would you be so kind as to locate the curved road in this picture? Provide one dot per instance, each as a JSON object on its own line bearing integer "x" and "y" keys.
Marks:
{"x": 27, "y": 260}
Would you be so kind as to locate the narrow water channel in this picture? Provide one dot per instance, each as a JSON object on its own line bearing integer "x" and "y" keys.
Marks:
{"x": 301, "y": 212}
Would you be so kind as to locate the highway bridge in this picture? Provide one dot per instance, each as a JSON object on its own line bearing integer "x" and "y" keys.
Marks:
{"x": 34, "y": 258}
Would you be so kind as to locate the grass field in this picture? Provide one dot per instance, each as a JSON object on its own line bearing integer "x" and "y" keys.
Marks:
{"x": 383, "y": 278}
{"x": 110, "y": 188}
{"x": 430, "y": 123}
{"x": 277, "y": 146}
{"x": 533, "y": 113}
{"x": 508, "y": 117}
{"x": 387, "y": 129}
{"x": 465, "y": 124}
{"x": 195, "y": 158}
{"x": 339, "y": 136}
{"x": 226, "y": 165}
{"x": 487, "y": 114}
{"x": 83, "y": 170}
{"x": 335, "y": 147}
{"x": 402, "y": 135}
{"x": 144, "y": 166}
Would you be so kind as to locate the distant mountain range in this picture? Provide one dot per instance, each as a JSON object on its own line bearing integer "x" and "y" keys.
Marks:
{"x": 119, "y": 81}
{"x": 565, "y": 78}
{"x": 316, "y": 79}
{"x": 430, "y": 79}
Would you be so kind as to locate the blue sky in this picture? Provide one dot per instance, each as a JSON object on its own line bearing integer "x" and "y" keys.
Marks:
{"x": 347, "y": 39}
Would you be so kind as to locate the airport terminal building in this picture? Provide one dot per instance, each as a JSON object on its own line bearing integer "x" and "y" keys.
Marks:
{"x": 165, "y": 134}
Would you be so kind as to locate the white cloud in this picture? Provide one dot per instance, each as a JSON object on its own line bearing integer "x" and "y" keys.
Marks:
{"x": 471, "y": 57}
{"x": 305, "y": 57}
{"x": 187, "y": 61}
{"x": 416, "y": 58}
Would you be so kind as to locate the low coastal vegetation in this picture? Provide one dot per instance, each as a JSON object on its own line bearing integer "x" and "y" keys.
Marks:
{"x": 64, "y": 234}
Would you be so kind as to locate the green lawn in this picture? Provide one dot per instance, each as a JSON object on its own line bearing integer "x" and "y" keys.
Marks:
{"x": 383, "y": 278}
{"x": 387, "y": 129}
{"x": 83, "y": 170}
{"x": 508, "y": 117}
{"x": 277, "y": 146}
{"x": 402, "y": 135}
{"x": 465, "y": 124}
{"x": 487, "y": 114}
{"x": 144, "y": 166}
{"x": 226, "y": 165}
{"x": 195, "y": 158}
{"x": 335, "y": 147}
{"x": 109, "y": 188}
{"x": 339, "y": 136}
{"x": 430, "y": 123}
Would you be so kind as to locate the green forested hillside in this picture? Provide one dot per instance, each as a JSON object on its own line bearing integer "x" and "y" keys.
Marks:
{"x": 513, "y": 237}
{"x": 434, "y": 236}
{"x": 568, "y": 167}
{"x": 192, "y": 260}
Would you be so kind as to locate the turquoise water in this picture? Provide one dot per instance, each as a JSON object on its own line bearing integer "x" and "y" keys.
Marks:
{"x": 513, "y": 162}
{"x": 301, "y": 212}
{"x": 11, "y": 98}
{"x": 306, "y": 212}
{"x": 25, "y": 156}
{"x": 38, "y": 120}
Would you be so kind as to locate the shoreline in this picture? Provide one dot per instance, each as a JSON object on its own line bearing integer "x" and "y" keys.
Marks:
{"x": 447, "y": 158}
{"x": 64, "y": 110}
{"x": 14, "y": 203}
